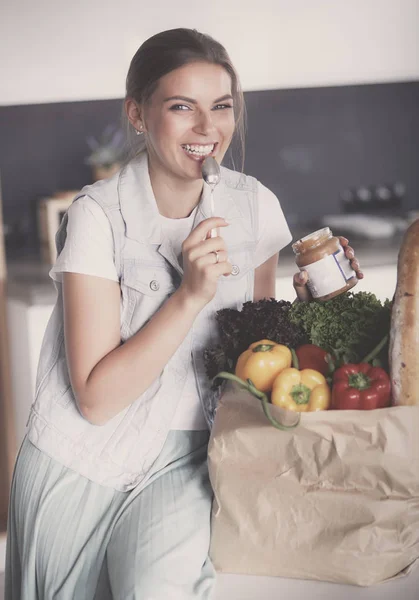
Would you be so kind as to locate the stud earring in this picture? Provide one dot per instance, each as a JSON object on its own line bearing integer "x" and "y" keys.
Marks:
{"x": 139, "y": 132}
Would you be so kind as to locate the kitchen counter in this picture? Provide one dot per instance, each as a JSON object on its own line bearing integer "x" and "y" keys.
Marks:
{"x": 28, "y": 280}
{"x": 248, "y": 587}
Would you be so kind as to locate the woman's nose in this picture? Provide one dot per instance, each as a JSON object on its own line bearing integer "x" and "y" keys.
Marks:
{"x": 204, "y": 123}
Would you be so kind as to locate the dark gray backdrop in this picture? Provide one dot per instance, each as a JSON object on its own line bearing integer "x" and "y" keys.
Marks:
{"x": 307, "y": 145}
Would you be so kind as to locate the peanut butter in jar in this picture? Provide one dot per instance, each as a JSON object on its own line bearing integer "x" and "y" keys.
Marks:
{"x": 329, "y": 271}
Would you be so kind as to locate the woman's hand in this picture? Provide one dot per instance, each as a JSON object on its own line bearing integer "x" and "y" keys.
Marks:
{"x": 204, "y": 261}
{"x": 300, "y": 279}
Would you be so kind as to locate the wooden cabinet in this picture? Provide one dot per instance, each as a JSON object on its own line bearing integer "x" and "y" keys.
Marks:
{"x": 27, "y": 324}
{"x": 7, "y": 435}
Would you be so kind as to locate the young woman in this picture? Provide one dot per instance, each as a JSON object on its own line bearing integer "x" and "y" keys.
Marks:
{"x": 110, "y": 496}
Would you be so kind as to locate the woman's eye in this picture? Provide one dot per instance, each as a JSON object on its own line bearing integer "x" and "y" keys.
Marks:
{"x": 222, "y": 106}
{"x": 179, "y": 107}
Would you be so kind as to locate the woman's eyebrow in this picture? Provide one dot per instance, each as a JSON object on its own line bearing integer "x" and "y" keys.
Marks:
{"x": 192, "y": 101}
{"x": 183, "y": 98}
{"x": 226, "y": 97}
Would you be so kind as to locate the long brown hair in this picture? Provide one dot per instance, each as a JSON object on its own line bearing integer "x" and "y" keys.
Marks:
{"x": 170, "y": 50}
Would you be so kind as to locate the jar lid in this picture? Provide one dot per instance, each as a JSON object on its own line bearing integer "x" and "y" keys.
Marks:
{"x": 312, "y": 240}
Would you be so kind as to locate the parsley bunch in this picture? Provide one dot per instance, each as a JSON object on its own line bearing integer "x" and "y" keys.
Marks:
{"x": 348, "y": 326}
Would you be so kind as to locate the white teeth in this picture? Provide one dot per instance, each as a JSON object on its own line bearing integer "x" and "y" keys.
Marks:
{"x": 198, "y": 149}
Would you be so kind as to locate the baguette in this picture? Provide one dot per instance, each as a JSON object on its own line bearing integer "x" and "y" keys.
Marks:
{"x": 404, "y": 329}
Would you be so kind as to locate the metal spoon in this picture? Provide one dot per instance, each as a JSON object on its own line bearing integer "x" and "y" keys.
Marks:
{"x": 211, "y": 171}
{"x": 211, "y": 175}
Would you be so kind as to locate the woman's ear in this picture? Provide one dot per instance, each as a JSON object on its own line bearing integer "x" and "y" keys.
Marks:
{"x": 133, "y": 112}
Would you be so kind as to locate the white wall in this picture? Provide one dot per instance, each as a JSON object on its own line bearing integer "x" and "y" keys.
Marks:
{"x": 57, "y": 50}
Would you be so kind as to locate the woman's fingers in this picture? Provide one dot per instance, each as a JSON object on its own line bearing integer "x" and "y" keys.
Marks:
{"x": 350, "y": 254}
{"x": 300, "y": 285}
{"x": 210, "y": 264}
{"x": 212, "y": 258}
{"x": 221, "y": 259}
{"x": 204, "y": 247}
{"x": 202, "y": 230}
{"x": 205, "y": 259}
{"x": 356, "y": 268}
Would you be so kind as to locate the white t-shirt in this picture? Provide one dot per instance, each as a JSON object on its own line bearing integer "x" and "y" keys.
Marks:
{"x": 88, "y": 250}
{"x": 189, "y": 414}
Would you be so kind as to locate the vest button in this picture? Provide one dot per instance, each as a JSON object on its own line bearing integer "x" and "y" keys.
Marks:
{"x": 154, "y": 285}
{"x": 235, "y": 270}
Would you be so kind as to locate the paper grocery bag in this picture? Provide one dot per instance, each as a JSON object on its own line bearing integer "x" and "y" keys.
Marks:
{"x": 336, "y": 499}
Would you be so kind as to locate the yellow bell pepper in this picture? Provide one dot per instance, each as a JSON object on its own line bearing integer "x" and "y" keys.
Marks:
{"x": 262, "y": 362}
{"x": 301, "y": 391}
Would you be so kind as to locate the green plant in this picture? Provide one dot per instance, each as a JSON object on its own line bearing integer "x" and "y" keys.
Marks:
{"x": 108, "y": 149}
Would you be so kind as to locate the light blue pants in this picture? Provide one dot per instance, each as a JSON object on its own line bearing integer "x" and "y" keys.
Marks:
{"x": 72, "y": 539}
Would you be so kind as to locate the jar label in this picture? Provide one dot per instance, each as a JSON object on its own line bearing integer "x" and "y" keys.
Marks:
{"x": 329, "y": 274}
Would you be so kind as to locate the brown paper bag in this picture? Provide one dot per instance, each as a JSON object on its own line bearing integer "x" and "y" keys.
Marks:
{"x": 336, "y": 499}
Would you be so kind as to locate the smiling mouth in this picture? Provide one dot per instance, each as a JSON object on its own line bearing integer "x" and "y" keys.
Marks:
{"x": 198, "y": 150}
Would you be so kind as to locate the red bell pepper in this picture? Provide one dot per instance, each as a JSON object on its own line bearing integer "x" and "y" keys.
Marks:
{"x": 360, "y": 387}
{"x": 313, "y": 357}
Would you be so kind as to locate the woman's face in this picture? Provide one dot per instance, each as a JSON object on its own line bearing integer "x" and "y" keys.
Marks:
{"x": 189, "y": 116}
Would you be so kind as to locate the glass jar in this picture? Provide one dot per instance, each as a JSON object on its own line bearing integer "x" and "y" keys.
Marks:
{"x": 329, "y": 271}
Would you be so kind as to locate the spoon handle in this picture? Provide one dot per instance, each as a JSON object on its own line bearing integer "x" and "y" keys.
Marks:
{"x": 214, "y": 232}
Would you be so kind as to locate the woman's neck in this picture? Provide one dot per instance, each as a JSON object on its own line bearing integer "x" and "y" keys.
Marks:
{"x": 175, "y": 198}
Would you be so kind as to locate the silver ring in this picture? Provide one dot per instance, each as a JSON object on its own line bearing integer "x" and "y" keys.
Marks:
{"x": 217, "y": 258}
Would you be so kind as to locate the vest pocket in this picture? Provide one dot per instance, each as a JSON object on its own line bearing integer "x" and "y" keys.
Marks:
{"x": 237, "y": 287}
{"x": 145, "y": 287}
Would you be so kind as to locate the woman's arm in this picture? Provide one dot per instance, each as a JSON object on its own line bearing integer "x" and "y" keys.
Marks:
{"x": 107, "y": 376}
{"x": 265, "y": 276}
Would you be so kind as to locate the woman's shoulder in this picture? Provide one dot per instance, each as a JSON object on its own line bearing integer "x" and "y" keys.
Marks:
{"x": 87, "y": 220}
{"x": 238, "y": 180}
{"x": 103, "y": 192}
{"x": 242, "y": 181}
{"x": 85, "y": 207}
